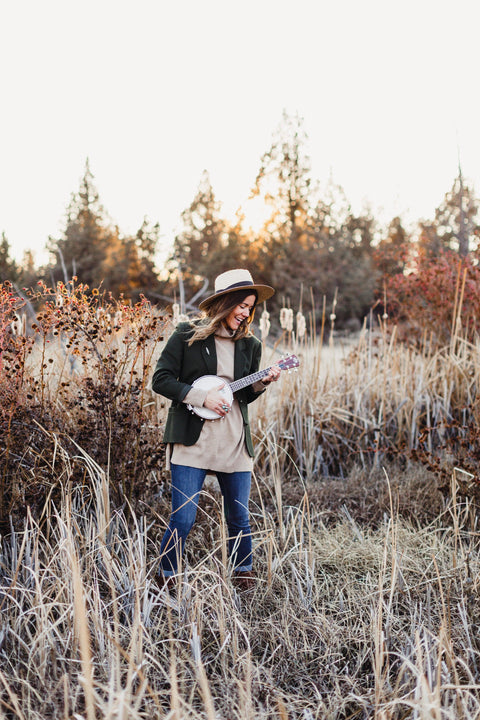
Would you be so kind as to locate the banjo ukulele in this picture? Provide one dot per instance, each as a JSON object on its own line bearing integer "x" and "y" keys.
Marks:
{"x": 207, "y": 382}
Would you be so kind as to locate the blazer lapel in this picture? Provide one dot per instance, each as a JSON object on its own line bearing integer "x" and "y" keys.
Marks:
{"x": 241, "y": 360}
{"x": 209, "y": 354}
{"x": 241, "y": 363}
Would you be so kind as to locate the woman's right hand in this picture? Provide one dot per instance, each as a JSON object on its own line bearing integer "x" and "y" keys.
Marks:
{"x": 216, "y": 401}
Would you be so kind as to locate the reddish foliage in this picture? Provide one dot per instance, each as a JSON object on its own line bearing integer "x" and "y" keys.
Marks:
{"x": 439, "y": 291}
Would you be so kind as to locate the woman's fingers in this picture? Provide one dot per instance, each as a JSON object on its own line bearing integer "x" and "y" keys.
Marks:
{"x": 273, "y": 375}
{"x": 216, "y": 402}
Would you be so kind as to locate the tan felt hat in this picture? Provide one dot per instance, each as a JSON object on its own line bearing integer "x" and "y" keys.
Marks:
{"x": 233, "y": 280}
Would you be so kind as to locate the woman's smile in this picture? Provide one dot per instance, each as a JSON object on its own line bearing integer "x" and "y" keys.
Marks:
{"x": 240, "y": 313}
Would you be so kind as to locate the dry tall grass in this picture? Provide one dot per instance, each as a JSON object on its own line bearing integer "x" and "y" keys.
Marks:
{"x": 345, "y": 622}
{"x": 385, "y": 400}
{"x": 367, "y": 600}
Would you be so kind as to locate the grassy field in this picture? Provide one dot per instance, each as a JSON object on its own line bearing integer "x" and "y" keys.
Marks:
{"x": 364, "y": 514}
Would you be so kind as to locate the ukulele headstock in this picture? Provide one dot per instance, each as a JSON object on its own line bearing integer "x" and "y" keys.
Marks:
{"x": 291, "y": 362}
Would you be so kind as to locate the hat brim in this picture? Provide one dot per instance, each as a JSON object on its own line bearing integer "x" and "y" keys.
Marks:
{"x": 263, "y": 293}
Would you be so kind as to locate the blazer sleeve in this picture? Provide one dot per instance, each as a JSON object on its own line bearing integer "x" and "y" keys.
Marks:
{"x": 166, "y": 379}
{"x": 249, "y": 394}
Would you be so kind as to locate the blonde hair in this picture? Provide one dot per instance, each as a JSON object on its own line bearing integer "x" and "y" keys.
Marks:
{"x": 212, "y": 318}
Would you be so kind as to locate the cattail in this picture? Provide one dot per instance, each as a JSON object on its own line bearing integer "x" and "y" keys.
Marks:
{"x": 178, "y": 317}
{"x": 333, "y": 317}
{"x": 301, "y": 324}
{"x": 175, "y": 313}
{"x": 286, "y": 319}
{"x": 265, "y": 324}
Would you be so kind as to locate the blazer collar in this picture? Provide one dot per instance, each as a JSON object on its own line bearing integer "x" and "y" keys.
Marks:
{"x": 209, "y": 353}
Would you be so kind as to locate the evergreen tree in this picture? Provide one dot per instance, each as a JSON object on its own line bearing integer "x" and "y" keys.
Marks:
{"x": 456, "y": 225}
{"x": 391, "y": 255}
{"x": 337, "y": 264}
{"x": 201, "y": 249}
{"x": 29, "y": 273}
{"x": 9, "y": 269}
{"x": 129, "y": 263}
{"x": 306, "y": 245}
{"x": 457, "y": 219}
{"x": 83, "y": 248}
{"x": 284, "y": 179}
{"x": 359, "y": 233}
{"x": 93, "y": 249}
{"x": 284, "y": 242}
{"x": 146, "y": 240}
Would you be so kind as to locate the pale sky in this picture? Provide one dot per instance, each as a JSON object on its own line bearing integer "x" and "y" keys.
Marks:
{"x": 154, "y": 92}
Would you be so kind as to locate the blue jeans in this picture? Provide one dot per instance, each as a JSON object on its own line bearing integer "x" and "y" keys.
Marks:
{"x": 187, "y": 483}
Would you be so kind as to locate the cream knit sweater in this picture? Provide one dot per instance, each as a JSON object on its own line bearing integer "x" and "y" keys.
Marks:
{"x": 221, "y": 445}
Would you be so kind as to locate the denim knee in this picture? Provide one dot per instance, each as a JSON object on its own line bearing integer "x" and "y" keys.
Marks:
{"x": 180, "y": 527}
{"x": 238, "y": 524}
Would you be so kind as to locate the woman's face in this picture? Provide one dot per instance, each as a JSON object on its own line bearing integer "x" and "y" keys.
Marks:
{"x": 240, "y": 313}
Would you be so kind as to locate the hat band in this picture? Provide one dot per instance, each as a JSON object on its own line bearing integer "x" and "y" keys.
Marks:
{"x": 244, "y": 283}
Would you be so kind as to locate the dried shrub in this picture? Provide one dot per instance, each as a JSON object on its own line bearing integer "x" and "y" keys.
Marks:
{"x": 80, "y": 375}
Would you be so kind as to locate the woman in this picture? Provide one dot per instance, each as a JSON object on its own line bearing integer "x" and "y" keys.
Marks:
{"x": 218, "y": 343}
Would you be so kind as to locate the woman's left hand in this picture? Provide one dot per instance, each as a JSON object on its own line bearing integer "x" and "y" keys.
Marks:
{"x": 273, "y": 375}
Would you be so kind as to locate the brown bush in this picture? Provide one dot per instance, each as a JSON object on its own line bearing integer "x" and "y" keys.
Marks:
{"x": 77, "y": 377}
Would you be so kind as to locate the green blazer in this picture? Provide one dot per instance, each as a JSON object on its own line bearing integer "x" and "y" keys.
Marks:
{"x": 179, "y": 365}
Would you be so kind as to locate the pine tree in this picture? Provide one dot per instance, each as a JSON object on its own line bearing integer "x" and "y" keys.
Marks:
{"x": 9, "y": 269}
{"x": 457, "y": 219}
{"x": 456, "y": 225}
{"x": 29, "y": 273}
{"x": 311, "y": 245}
{"x": 145, "y": 280}
{"x": 129, "y": 264}
{"x": 391, "y": 254}
{"x": 94, "y": 250}
{"x": 283, "y": 182}
{"x": 201, "y": 249}
{"x": 82, "y": 250}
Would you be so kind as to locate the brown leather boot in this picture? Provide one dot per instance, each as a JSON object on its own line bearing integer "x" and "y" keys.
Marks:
{"x": 245, "y": 581}
{"x": 167, "y": 582}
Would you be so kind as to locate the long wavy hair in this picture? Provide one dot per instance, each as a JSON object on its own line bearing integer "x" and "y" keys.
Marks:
{"x": 212, "y": 318}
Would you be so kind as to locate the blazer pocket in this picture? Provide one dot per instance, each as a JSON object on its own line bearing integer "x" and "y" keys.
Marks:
{"x": 177, "y": 411}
